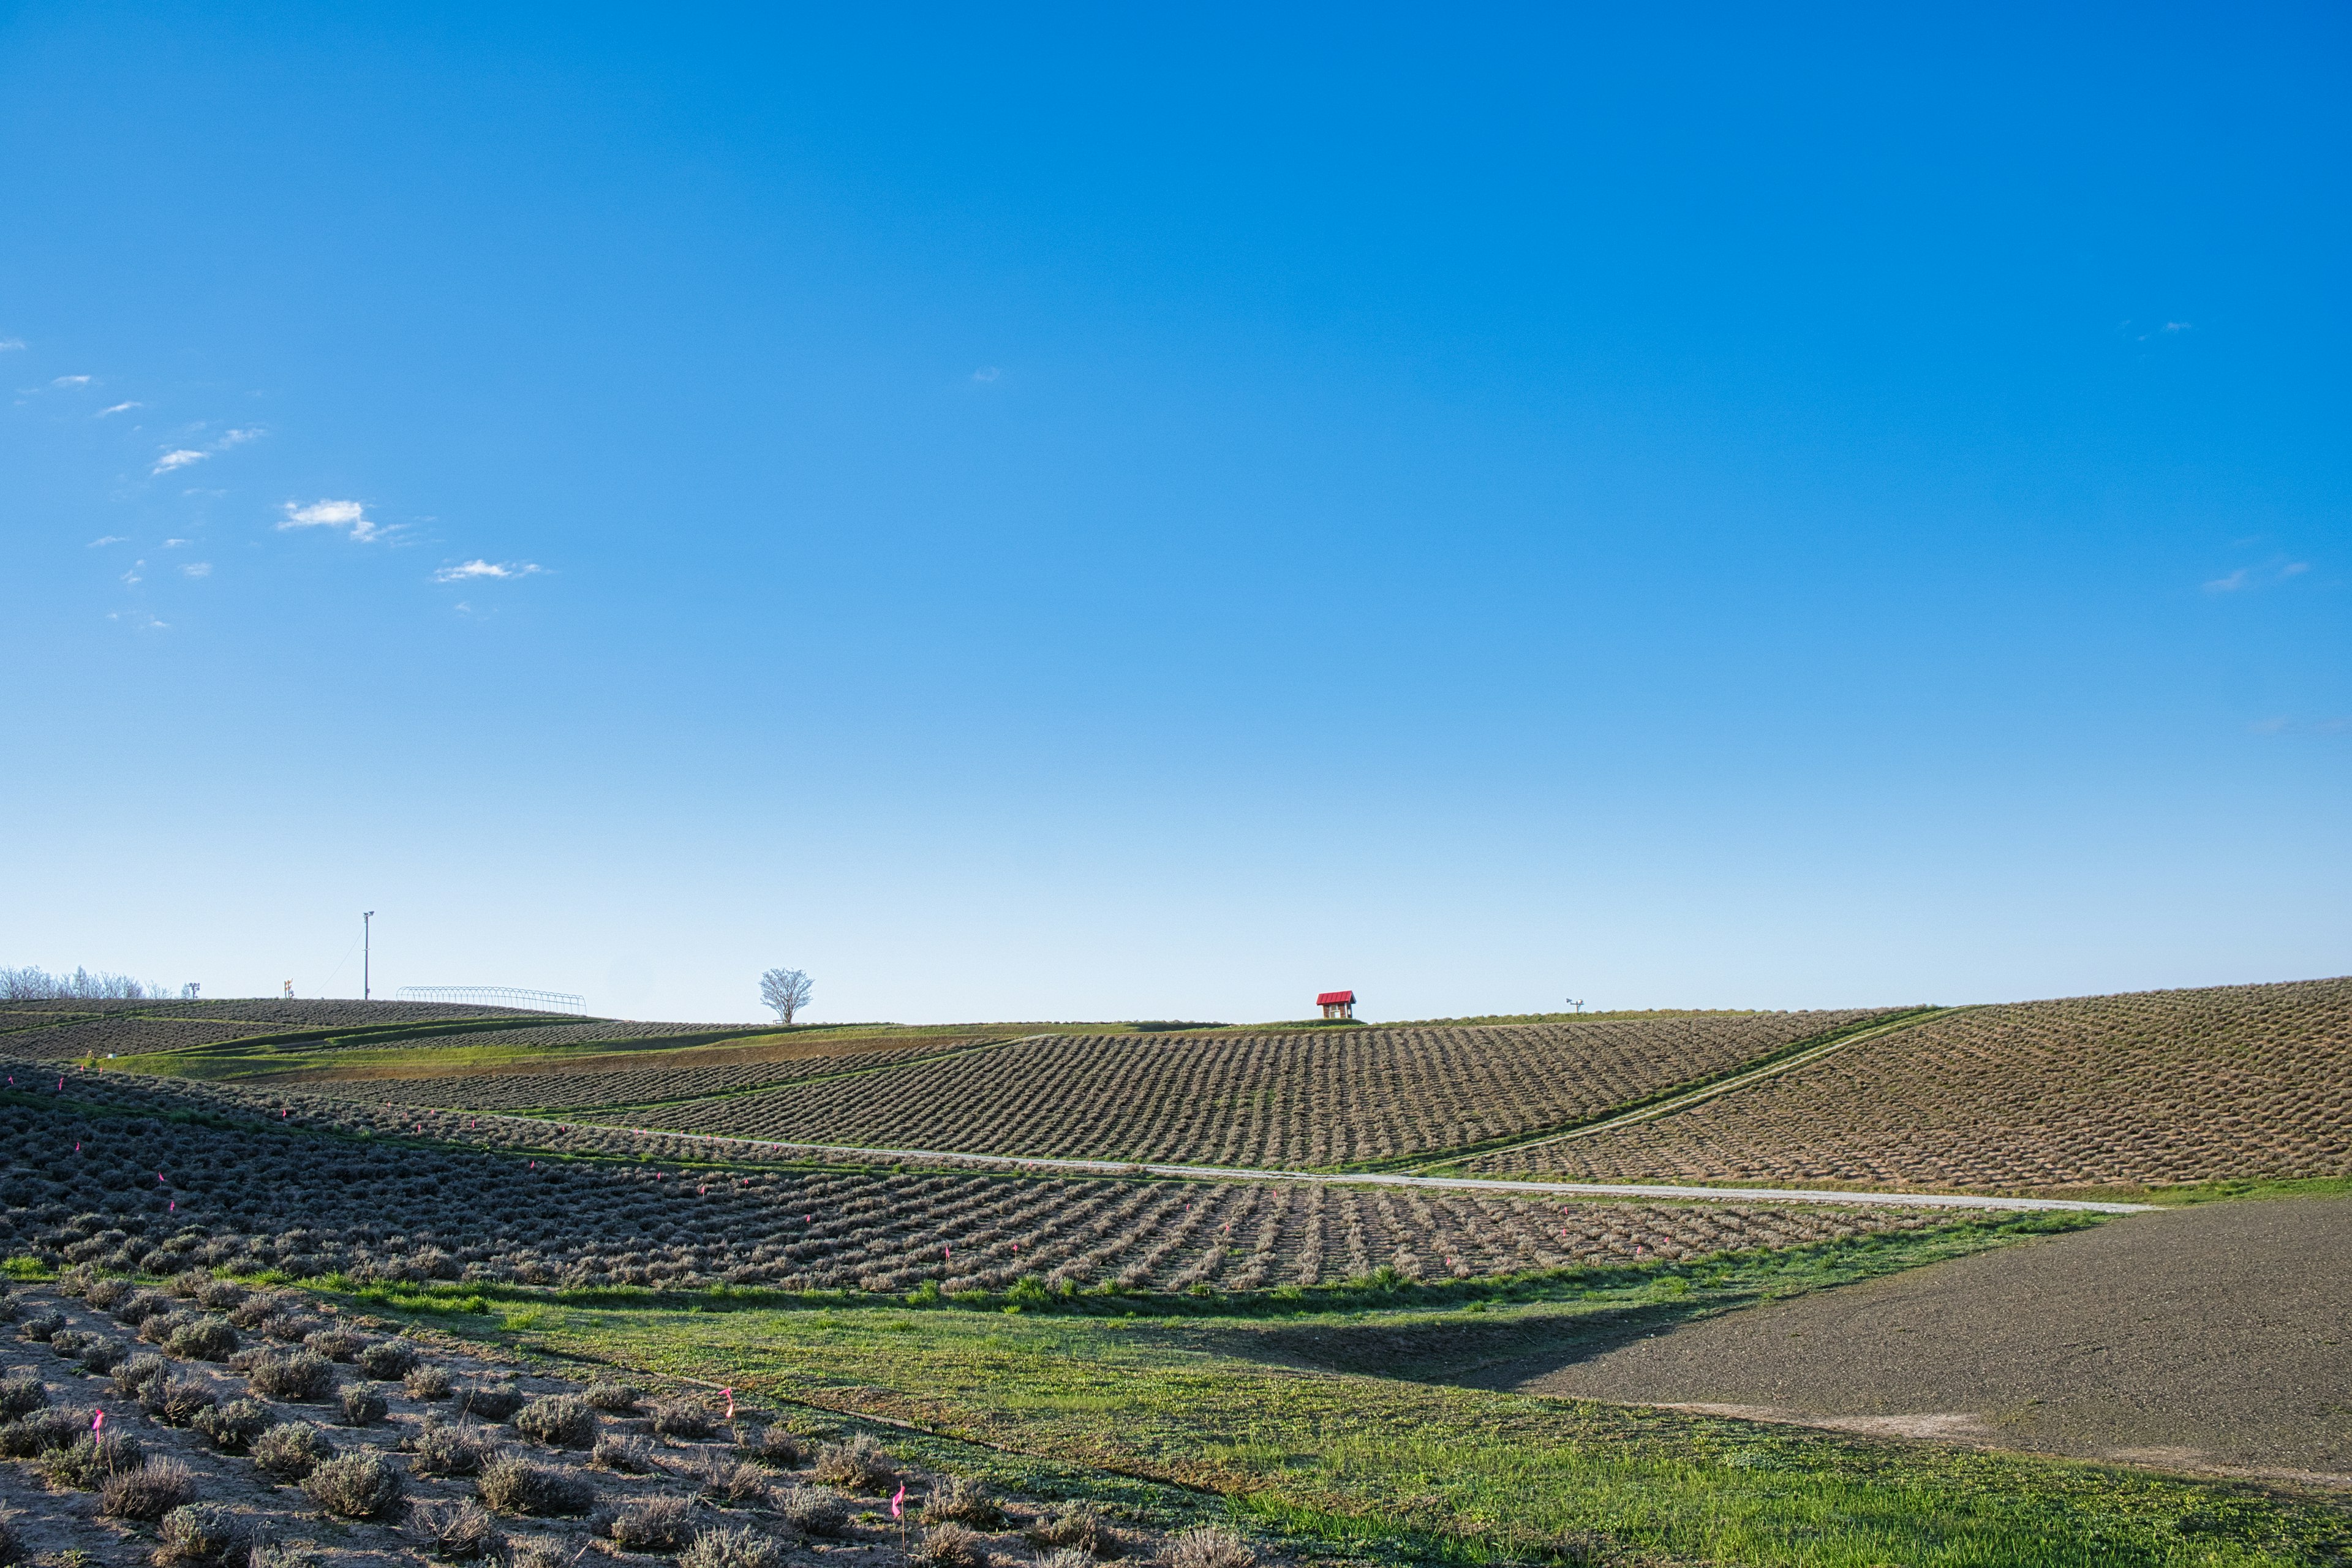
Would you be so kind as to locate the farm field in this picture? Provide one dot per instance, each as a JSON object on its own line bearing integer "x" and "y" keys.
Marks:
{"x": 1341, "y": 1374}
{"x": 2217, "y": 1335}
{"x": 2092, "y": 1093}
{"x": 134, "y": 1174}
{"x": 237, "y": 1416}
{"x": 609, "y": 1080}
{"x": 361, "y": 1429}
{"x": 1305, "y": 1101}
{"x": 1328, "y": 1436}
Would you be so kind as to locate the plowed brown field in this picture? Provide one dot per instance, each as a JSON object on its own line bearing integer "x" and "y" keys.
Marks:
{"x": 1297, "y": 1101}
{"x": 2144, "y": 1088}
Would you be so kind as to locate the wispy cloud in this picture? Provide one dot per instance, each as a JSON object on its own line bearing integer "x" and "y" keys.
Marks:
{"x": 132, "y": 575}
{"x": 473, "y": 568}
{"x": 119, "y": 408}
{"x": 186, "y": 454}
{"x": 70, "y": 381}
{"x": 348, "y": 514}
{"x": 2270, "y": 573}
{"x": 986, "y": 373}
{"x": 139, "y": 618}
{"x": 2177, "y": 327}
{"x": 198, "y": 568}
{"x": 10, "y": 345}
{"x": 110, "y": 539}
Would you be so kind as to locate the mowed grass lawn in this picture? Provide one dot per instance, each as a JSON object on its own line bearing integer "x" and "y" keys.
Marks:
{"x": 1278, "y": 1414}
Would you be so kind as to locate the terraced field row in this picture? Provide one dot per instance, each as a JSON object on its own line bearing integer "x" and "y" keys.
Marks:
{"x": 104, "y": 1174}
{"x": 270, "y": 1013}
{"x": 2144, "y": 1088}
{"x": 504, "y": 1091}
{"x": 1297, "y": 1101}
{"x": 103, "y": 1037}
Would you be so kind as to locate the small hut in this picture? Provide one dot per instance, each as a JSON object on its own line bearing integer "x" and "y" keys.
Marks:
{"x": 1337, "y": 1003}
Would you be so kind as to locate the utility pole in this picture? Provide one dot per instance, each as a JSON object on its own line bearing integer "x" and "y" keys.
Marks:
{"x": 367, "y": 950}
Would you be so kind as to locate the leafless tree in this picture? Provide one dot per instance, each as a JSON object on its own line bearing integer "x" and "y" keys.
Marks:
{"x": 785, "y": 990}
{"x": 34, "y": 984}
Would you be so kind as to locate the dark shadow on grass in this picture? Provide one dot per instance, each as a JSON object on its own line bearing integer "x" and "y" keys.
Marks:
{"x": 1459, "y": 1349}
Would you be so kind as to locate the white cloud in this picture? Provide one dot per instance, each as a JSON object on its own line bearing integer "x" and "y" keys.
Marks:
{"x": 175, "y": 544}
{"x": 986, "y": 373}
{"x": 132, "y": 575}
{"x": 348, "y": 514}
{"x": 181, "y": 458}
{"x": 110, "y": 539}
{"x": 198, "y": 568}
{"x": 2177, "y": 327}
{"x": 70, "y": 381}
{"x": 472, "y": 569}
{"x": 139, "y": 618}
{"x": 120, "y": 408}
{"x": 2269, "y": 575}
{"x": 9, "y": 345}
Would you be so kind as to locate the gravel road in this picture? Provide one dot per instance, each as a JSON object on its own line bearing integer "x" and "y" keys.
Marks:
{"x": 2217, "y": 1337}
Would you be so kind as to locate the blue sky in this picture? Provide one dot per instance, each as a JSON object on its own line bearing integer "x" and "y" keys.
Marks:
{"x": 1073, "y": 513}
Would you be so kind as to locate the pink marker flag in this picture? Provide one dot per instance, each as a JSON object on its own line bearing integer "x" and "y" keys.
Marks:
{"x": 159, "y": 1178}
{"x": 731, "y": 1402}
{"x": 898, "y": 1501}
{"x": 98, "y": 1422}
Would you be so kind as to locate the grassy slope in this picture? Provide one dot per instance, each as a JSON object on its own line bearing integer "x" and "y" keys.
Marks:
{"x": 1286, "y": 1416}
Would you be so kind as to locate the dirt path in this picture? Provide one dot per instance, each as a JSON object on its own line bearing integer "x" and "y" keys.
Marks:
{"x": 2210, "y": 1338}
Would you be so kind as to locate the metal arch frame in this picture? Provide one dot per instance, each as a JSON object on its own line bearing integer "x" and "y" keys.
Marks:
{"x": 496, "y": 996}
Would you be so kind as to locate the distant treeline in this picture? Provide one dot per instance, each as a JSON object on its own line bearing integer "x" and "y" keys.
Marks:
{"x": 34, "y": 984}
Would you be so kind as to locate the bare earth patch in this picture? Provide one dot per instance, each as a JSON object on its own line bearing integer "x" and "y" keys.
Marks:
{"x": 2216, "y": 1338}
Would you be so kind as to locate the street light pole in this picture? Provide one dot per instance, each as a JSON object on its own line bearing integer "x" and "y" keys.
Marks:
{"x": 367, "y": 950}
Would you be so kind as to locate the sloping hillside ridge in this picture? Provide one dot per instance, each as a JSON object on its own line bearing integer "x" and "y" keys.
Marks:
{"x": 2140, "y": 1090}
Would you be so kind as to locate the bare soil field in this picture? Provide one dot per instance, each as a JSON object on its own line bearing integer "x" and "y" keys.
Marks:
{"x": 2216, "y": 1337}
{"x": 1298, "y": 1101}
{"x": 2151, "y": 1088}
{"x": 124, "y": 1172}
